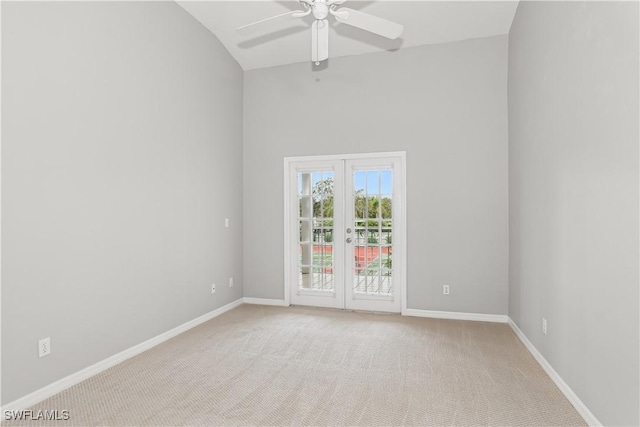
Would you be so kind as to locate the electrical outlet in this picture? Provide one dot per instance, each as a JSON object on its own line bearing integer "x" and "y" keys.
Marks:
{"x": 544, "y": 326}
{"x": 445, "y": 289}
{"x": 226, "y": 223}
{"x": 44, "y": 347}
{"x": 230, "y": 281}
{"x": 213, "y": 288}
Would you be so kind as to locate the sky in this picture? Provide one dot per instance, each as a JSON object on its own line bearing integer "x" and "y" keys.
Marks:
{"x": 371, "y": 181}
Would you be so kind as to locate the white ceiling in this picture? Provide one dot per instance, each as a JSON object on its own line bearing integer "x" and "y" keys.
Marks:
{"x": 289, "y": 41}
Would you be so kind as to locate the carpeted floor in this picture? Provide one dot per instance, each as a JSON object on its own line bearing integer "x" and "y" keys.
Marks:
{"x": 296, "y": 366}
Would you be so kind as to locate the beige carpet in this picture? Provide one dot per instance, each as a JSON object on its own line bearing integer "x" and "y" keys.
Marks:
{"x": 297, "y": 366}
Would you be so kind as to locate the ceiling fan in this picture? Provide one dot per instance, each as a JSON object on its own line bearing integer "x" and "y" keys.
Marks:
{"x": 321, "y": 9}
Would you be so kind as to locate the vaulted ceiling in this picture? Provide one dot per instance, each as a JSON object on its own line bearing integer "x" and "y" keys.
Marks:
{"x": 287, "y": 41}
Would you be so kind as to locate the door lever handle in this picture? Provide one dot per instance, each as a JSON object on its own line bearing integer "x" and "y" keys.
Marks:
{"x": 349, "y": 240}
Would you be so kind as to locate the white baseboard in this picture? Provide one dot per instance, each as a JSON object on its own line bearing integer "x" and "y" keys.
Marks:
{"x": 73, "y": 379}
{"x": 265, "y": 301}
{"x": 556, "y": 378}
{"x": 454, "y": 315}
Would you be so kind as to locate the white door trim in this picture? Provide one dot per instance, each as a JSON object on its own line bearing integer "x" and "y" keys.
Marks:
{"x": 287, "y": 233}
{"x": 355, "y": 156}
{"x": 0, "y": 221}
{"x": 402, "y": 155}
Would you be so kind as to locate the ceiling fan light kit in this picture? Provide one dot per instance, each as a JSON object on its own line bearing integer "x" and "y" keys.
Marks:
{"x": 321, "y": 9}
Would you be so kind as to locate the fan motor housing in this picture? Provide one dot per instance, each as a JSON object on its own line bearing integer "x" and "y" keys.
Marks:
{"x": 320, "y": 10}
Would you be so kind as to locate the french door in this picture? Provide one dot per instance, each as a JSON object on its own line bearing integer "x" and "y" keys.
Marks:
{"x": 344, "y": 231}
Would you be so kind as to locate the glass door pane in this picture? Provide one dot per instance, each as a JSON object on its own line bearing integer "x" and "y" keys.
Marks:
{"x": 373, "y": 226}
{"x": 315, "y": 237}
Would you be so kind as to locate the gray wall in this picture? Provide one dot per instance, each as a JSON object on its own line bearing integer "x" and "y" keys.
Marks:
{"x": 573, "y": 153}
{"x": 121, "y": 157}
{"x": 446, "y": 105}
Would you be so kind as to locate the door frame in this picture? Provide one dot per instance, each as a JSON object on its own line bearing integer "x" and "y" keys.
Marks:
{"x": 400, "y": 243}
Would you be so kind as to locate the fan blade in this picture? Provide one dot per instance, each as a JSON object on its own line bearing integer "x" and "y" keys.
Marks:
{"x": 245, "y": 29}
{"x": 320, "y": 40}
{"x": 370, "y": 23}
